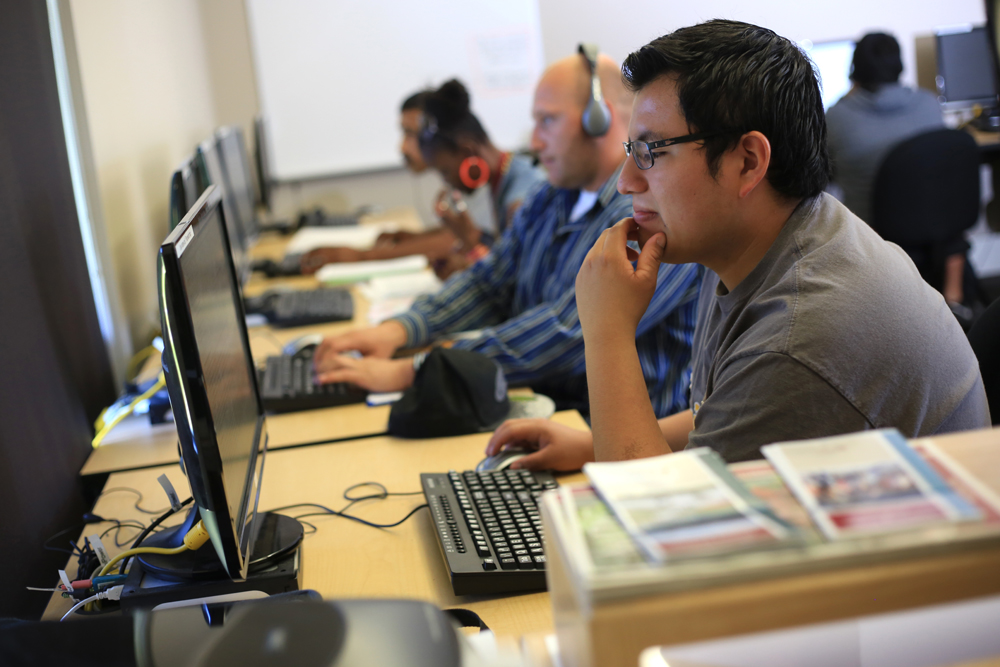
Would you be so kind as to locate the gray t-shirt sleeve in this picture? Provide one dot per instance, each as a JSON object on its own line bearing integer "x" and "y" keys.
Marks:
{"x": 765, "y": 398}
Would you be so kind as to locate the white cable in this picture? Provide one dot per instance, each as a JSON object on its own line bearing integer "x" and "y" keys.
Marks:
{"x": 78, "y": 605}
{"x": 113, "y": 593}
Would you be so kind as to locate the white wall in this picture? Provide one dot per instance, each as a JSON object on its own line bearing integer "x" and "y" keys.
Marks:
{"x": 622, "y": 27}
{"x": 149, "y": 101}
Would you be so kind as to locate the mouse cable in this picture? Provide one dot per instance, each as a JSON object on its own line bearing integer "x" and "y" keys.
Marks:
{"x": 327, "y": 511}
{"x": 381, "y": 494}
{"x": 129, "y": 489}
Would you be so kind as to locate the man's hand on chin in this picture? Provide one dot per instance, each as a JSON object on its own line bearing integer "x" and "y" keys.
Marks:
{"x": 611, "y": 295}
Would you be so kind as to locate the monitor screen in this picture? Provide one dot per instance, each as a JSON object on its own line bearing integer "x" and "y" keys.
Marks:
{"x": 239, "y": 182}
{"x": 833, "y": 64}
{"x": 210, "y": 172}
{"x": 210, "y": 375}
{"x": 184, "y": 190}
{"x": 263, "y": 162}
{"x": 965, "y": 68}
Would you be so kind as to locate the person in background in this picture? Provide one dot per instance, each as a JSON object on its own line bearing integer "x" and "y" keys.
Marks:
{"x": 441, "y": 132}
{"x": 865, "y": 125}
{"x": 411, "y": 121}
{"x": 518, "y": 304}
{"x": 876, "y": 115}
{"x": 809, "y": 324}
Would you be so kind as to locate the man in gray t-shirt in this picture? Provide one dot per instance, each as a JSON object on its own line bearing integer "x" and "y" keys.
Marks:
{"x": 832, "y": 332}
{"x": 808, "y": 325}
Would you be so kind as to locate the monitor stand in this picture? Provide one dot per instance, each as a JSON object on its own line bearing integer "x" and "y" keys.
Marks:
{"x": 275, "y": 565}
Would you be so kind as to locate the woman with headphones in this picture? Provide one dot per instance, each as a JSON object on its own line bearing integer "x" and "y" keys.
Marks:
{"x": 454, "y": 143}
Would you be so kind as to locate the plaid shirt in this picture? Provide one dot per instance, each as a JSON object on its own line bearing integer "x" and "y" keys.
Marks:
{"x": 520, "y": 301}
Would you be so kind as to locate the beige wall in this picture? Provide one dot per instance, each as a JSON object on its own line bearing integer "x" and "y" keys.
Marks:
{"x": 148, "y": 97}
{"x": 158, "y": 76}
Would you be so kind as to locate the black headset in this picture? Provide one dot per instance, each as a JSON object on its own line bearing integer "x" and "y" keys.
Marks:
{"x": 597, "y": 115}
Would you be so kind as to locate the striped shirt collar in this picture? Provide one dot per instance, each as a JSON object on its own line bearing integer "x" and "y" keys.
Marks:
{"x": 605, "y": 196}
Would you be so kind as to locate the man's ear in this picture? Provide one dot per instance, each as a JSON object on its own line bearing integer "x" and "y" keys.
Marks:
{"x": 754, "y": 155}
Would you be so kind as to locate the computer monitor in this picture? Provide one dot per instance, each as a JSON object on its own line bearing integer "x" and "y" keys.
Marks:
{"x": 221, "y": 429}
{"x": 965, "y": 68}
{"x": 239, "y": 181}
{"x": 211, "y": 378}
{"x": 184, "y": 190}
{"x": 833, "y": 64}
{"x": 210, "y": 172}
{"x": 263, "y": 161}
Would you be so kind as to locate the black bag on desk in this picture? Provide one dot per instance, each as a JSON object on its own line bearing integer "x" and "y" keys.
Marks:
{"x": 455, "y": 392}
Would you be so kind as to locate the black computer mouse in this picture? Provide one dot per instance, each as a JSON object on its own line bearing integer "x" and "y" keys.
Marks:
{"x": 502, "y": 459}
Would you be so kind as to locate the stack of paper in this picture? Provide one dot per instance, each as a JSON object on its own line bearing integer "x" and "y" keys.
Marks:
{"x": 356, "y": 272}
{"x": 359, "y": 237}
{"x": 686, "y": 520}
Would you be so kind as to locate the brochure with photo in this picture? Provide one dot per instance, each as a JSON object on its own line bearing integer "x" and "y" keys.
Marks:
{"x": 604, "y": 544}
{"x": 867, "y": 483}
{"x": 686, "y": 504}
{"x": 967, "y": 486}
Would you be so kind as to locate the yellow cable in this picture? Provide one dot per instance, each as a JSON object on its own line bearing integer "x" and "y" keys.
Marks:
{"x": 140, "y": 550}
{"x": 138, "y": 359}
{"x": 122, "y": 414}
{"x": 193, "y": 540}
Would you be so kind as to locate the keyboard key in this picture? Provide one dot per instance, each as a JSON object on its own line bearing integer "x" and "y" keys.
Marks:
{"x": 508, "y": 564}
{"x": 525, "y": 563}
{"x": 489, "y": 564}
{"x": 540, "y": 561}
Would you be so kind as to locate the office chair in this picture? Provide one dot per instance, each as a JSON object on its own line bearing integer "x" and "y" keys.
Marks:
{"x": 926, "y": 195}
{"x": 984, "y": 337}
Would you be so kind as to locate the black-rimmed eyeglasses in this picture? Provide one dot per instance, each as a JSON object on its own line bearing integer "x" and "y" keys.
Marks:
{"x": 642, "y": 151}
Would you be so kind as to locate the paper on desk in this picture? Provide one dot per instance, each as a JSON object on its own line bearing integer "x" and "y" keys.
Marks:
{"x": 356, "y": 272}
{"x": 382, "y": 310}
{"x": 359, "y": 237}
{"x": 394, "y": 287}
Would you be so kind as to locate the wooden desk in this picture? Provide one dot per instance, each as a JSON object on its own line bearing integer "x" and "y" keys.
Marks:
{"x": 613, "y": 632}
{"x": 343, "y": 558}
{"x": 135, "y": 444}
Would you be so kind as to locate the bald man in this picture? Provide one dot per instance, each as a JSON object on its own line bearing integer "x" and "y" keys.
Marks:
{"x": 519, "y": 302}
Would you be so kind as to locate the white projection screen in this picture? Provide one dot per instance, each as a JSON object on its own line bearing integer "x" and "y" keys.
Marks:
{"x": 331, "y": 74}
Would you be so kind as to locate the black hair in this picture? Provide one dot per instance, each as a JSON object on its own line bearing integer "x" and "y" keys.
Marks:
{"x": 740, "y": 77}
{"x": 448, "y": 119}
{"x": 876, "y": 61}
{"x": 415, "y": 101}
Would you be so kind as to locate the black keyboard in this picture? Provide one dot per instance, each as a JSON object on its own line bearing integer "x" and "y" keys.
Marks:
{"x": 320, "y": 218}
{"x": 286, "y": 385}
{"x": 289, "y": 265}
{"x": 298, "y": 308}
{"x": 489, "y": 528}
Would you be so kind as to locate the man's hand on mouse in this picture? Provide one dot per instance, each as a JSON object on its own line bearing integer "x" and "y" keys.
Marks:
{"x": 370, "y": 373}
{"x": 558, "y": 447}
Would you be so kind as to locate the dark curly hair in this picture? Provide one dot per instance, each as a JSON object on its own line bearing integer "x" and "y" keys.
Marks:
{"x": 448, "y": 119}
{"x": 737, "y": 76}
